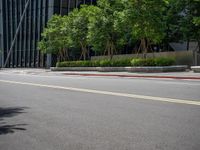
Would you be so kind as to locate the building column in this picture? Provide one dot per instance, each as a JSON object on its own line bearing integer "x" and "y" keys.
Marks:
{"x": 1, "y": 35}
{"x": 49, "y": 61}
{"x": 50, "y": 14}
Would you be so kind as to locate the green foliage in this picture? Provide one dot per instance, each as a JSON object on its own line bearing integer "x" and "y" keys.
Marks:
{"x": 79, "y": 20}
{"x": 97, "y": 63}
{"x": 103, "y": 35}
{"x": 121, "y": 62}
{"x": 162, "y": 61}
{"x": 54, "y": 39}
{"x": 105, "y": 63}
{"x": 115, "y": 63}
{"x": 142, "y": 62}
{"x": 145, "y": 19}
{"x": 196, "y": 21}
{"x": 183, "y": 20}
{"x": 165, "y": 61}
{"x": 49, "y": 43}
{"x": 74, "y": 64}
{"x": 112, "y": 24}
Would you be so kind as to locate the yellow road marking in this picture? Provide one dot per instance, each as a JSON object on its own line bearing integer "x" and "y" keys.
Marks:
{"x": 153, "y": 98}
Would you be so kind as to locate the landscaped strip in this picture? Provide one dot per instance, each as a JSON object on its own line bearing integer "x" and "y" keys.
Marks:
{"x": 161, "y": 61}
{"x": 123, "y": 65}
{"x": 124, "y": 69}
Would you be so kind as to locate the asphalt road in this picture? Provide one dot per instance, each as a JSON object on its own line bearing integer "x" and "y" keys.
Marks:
{"x": 49, "y": 112}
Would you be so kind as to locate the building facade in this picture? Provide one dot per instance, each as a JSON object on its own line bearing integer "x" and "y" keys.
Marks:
{"x": 33, "y": 19}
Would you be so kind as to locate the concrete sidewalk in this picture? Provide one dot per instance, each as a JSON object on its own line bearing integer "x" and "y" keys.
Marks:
{"x": 171, "y": 75}
{"x": 190, "y": 75}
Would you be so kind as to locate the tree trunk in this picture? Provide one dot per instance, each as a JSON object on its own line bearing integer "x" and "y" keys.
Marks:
{"x": 63, "y": 54}
{"x": 84, "y": 51}
{"x": 144, "y": 47}
{"x": 111, "y": 50}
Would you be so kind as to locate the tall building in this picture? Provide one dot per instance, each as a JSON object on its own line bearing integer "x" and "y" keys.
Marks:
{"x": 33, "y": 19}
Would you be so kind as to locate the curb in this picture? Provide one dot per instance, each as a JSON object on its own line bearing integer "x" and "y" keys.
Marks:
{"x": 133, "y": 76}
{"x": 150, "y": 69}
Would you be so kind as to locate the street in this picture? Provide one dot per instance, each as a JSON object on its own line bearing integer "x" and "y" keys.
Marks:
{"x": 58, "y": 112}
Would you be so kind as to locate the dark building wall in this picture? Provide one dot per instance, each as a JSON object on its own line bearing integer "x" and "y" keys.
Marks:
{"x": 25, "y": 52}
{"x": 65, "y": 6}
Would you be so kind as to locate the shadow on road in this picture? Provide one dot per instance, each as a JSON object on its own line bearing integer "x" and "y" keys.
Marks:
{"x": 9, "y": 112}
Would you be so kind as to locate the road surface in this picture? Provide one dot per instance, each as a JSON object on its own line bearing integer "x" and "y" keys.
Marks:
{"x": 57, "y": 112}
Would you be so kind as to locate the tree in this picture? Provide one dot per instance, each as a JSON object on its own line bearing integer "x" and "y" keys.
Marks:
{"x": 183, "y": 20}
{"x": 79, "y": 20}
{"x": 145, "y": 18}
{"x": 54, "y": 37}
{"x": 102, "y": 34}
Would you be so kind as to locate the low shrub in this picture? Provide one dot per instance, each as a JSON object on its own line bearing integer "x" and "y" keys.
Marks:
{"x": 105, "y": 63}
{"x": 74, "y": 64}
{"x": 97, "y": 63}
{"x": 162, "y": 61}
{"x": 121, "y": 63}
{"x": 143, "y": 62}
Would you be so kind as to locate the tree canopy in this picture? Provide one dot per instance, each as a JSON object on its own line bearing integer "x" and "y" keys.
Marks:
{"x": 103, "y": 35}
{"x": 145, "y": 20}
{"x": 184, "y": 20}
{"x": 79, "y": 20}
{"x": 54, "y": 39}
{"x": 112, "y": 24}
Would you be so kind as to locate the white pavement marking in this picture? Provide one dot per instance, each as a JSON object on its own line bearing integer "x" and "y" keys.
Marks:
{"x": 161, "y": 99}
{"x": 36, "y": 75}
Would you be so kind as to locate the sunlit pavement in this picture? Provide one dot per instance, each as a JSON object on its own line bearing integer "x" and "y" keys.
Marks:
{"x": 51, "y": 110}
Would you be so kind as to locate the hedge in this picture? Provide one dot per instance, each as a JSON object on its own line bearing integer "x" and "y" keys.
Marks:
{"x": 98, "y": 63}
{"x": 162, "y": 61}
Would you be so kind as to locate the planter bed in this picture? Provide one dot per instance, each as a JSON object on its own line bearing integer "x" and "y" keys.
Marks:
{"x": 124, "y": 69}
{"x": 196, "y": 69}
